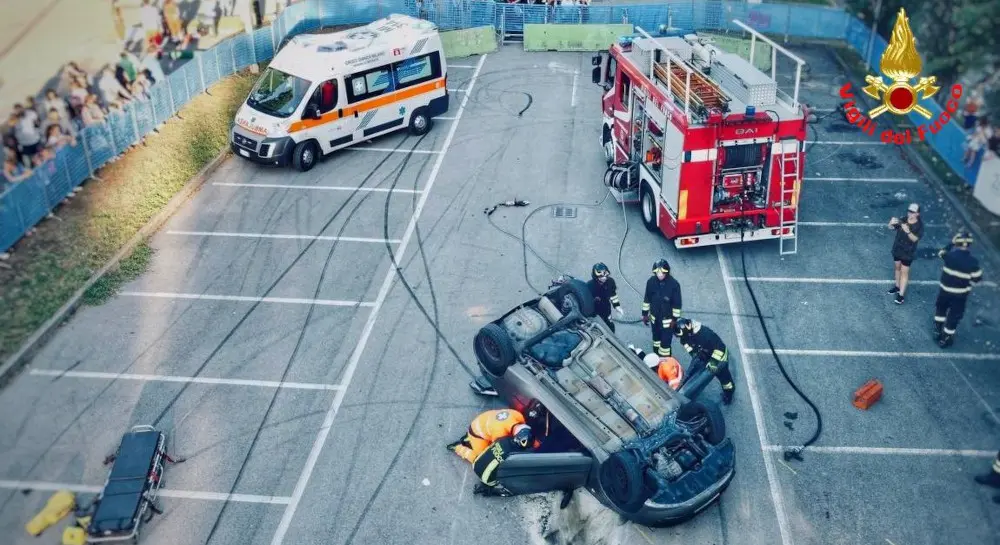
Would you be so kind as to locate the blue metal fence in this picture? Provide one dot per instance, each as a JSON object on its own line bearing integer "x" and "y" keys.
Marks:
{"x": 25, "y": 203}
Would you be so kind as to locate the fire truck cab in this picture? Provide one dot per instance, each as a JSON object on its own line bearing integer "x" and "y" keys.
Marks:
{"x": 703, "y": 140}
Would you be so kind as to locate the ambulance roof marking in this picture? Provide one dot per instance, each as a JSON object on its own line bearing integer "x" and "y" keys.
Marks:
{"x": 319, "y": 57}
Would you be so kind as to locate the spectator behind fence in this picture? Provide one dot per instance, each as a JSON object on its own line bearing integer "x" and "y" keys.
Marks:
{"x": 977, "y": 140}
{"x": 91, "y": 113}
{"x": 150, "y": 19}
{"x": 55, "y": 119}
{"x": 78, "y": 92}
{"x": 54, "y": 102}
{"x": 29, "y": 138}
{"x": 111, "y": 90}
{"x": 13, "y": 172}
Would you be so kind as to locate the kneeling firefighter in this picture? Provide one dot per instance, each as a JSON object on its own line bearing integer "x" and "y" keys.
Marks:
{"x": 707, "y": 351}
{"x": 491, "y": 436}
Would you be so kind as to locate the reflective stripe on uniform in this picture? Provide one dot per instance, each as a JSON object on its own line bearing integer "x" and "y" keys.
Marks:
{"x": 948, "y": 331}
{"x": 976, "y": 275}
{"x": 959, "y": 291}
{"x": 996, "y": 464}
{"x": 687, "y": 347}
{"x": 666, "y": 322}
{"x": 719, "y": 355}
{"x": 939, "y": 319}
{"x": 956, "y": 274}
{"x": 677, "y": 313}
{"x": 663, "y": 352}
{"x": 488, "y": 472}
{"x": 645, "y": 307}
{"x": 615, "y": 301}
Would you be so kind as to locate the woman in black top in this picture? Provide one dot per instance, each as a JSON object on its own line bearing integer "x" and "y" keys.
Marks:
{"x": 904, "y": 248}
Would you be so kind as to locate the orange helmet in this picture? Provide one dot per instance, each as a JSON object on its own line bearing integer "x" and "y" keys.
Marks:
{"x": 670, "y": 371}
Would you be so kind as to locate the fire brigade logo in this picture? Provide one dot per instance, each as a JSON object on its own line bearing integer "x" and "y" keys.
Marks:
{"x": 901, "y": 63}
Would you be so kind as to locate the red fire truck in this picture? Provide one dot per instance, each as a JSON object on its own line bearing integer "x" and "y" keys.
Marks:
{"x": 702, "y": 139}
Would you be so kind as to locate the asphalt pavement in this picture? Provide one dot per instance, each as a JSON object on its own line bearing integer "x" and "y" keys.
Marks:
{"x": 312, "y": 387}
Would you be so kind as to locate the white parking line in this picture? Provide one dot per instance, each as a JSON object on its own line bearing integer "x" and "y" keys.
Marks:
{"x": 734, "y": 309}
{"x": 248, "y": 299}
{"x": 446, "y": 117}
{"x": 471, "y": 66}
{"x": 43, "y": 486}
{"x": 320, "y": 187}
{"x": 572, "y": 100}
{"x": 891, "y": 451}
{"x": 174, "y": 378}
{"x": 869, "y": 281}
{"x": 391, "y": 150}
{"x": 277, "y": 236}
{"x": 942, "y": 355}
{"x": 352, "y": 364}
{"x": 861, "y": 224}
{"x": 457, "y": 90}
{"x": 875, "y": 180}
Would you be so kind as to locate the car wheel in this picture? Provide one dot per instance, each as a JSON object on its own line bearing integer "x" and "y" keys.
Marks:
{"x": 583, "y": 300}
{"x": 305, "y": 155}
{"x": 419, "y": 122}
{"x": 621, "y": 478}
{"x": 649, "y": 211}
{"x": 704, "y": 417}
{"x": 494, "y": 349}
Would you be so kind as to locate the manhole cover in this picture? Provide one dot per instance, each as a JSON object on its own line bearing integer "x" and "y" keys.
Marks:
{"x": 564, "y": 212}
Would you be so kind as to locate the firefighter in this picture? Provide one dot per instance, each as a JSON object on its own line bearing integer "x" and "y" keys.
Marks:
{"x": 992, "y": 478}
{"x": 668, "y": 369}
{"x": 960, "y": 271}
{"x": 605, "y": 292}
{"x": 488, "y": 428}
{"x": 706, "y": 350}
{"x": 661, "y": 305}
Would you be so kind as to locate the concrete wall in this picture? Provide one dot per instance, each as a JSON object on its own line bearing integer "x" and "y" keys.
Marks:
{"x": 572, "y": 37}
{"x": 471, "y": 41}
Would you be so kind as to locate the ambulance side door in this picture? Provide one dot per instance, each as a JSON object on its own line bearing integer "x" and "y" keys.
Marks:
{"x": 372, "y": 116}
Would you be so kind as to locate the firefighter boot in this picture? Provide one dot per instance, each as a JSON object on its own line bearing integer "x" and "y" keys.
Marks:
{"x": 992, "y": 478}
{"x": 727, "y": 393}
{"x": 938, "y": 326}
{"x": 946, "y": 340}
{"x": 482, "y": 489}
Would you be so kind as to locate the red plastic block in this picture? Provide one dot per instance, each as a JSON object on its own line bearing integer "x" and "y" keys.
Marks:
{"x": 868, "y": 394}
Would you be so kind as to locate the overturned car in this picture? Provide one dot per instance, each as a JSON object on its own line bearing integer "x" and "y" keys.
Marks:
{"x": 654, "y": 455}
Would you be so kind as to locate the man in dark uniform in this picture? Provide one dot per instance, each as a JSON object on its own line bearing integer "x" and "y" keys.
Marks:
{"x": 661, "y": 305}
{"x": 707, "y": 351}
{"x": 605, "y": 294}
{"x": 960, "y": 271}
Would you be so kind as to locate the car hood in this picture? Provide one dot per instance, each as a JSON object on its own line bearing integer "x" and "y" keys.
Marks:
{"x": 260, "y": 123}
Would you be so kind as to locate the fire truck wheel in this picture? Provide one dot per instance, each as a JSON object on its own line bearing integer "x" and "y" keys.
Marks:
{"x": 609, "y": 146}
{"x": 648, "y": 209}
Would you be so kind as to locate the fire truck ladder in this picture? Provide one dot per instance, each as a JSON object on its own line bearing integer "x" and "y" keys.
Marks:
{"x": 790, "y": 173}
{"x": 703, "y": 92}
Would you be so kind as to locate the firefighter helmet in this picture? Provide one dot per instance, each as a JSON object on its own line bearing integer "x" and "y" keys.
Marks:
{"x": 661, "y": 265}
{"x": 683, "y": 326}
{"x": 600, "y": 269}
{"x": 963, "y": 238}
{"x": 522, "y": 435}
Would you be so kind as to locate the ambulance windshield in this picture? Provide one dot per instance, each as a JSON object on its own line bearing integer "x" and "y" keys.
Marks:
{"x": 278, "y": 94}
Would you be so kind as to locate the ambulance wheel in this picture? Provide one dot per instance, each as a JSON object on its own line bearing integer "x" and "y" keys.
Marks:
{"x": 419, "y": 122}
{"x": 304, "y": 155}
{"x": 494, "y": 349}
{"x": 649, "y": 209}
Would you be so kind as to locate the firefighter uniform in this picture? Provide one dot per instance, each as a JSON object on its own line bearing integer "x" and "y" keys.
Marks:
{"x": 486, "y": 429}
{"x": 707, "y": 350}
{"x": 605, "y": 293}
{"x": 661, "y": 305}
{"x": 959, "y": 272}
{"x": 992, "y": 478}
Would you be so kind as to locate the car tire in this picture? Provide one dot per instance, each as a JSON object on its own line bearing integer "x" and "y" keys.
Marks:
{"x": 305, "y": 155}
{"x": 420, "y": 123}
{"x": 622, "y": 480}
{"x": 494, "y": 349}
{"x": 715, "y": 425}
{"x": 583, "y": 298}
{"x": 608, "y": 145}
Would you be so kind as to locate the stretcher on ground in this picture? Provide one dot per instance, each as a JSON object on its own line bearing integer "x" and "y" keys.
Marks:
{"x": 127, "y": 500}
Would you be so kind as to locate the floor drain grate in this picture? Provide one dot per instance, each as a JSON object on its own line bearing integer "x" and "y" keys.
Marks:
{"x": 564, "y": 212}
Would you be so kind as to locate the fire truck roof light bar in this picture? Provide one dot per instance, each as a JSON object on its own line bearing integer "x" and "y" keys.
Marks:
{"x": 798, "y": 62}
{"x": 680, "y": 62}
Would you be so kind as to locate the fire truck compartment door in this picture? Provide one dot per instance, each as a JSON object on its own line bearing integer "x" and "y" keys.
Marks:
{"x": 656, "y": 115}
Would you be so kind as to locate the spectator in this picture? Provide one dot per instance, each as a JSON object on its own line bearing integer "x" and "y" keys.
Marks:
{"x": 77, "y": 94}
{"x": 904, "y": 248}
{"x": 54, "y": 119}
{"x": 30, "y": 112}
{"x": 128, "y": 64}
{"x": 977, "y": 141}
{"x": 10, "y": 148}
{"x": 115, "y": 107}
{"x": 140, "y": 87}
{"x": 150, "y": 18}
{"x": 972, "y": 106}
{"x": 29, "y": 138}
{"x": 119, "y": 21}
{"x": 14, "y": 172}
{"x": 43, "y": 156}
{"x": 151, "y": 65}
{"x": 56, "y": 138}
{"x": 74, "y": 72}
{"x": 54, "y": 102}
{"x": 111, "y": 90}
{"x": 172, "y": 16}
{"x": 91, "y": 113}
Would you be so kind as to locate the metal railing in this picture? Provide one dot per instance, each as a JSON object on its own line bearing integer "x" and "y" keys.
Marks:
{"x": 23, "y": 204}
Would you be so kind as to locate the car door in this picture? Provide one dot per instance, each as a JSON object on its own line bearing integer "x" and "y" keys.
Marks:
{"x": 332, "y": 129}
{"x": 531, "y": 472}
{"x": 370, "y": 96}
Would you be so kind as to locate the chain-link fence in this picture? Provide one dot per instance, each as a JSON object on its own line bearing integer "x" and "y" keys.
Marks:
{"x": 23, "y": 204}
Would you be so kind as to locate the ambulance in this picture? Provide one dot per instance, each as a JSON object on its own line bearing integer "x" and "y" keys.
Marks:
{"x": 324, "y": 92}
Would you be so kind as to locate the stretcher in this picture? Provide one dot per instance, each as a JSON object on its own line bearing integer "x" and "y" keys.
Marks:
{"x": 127, "y": 500}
